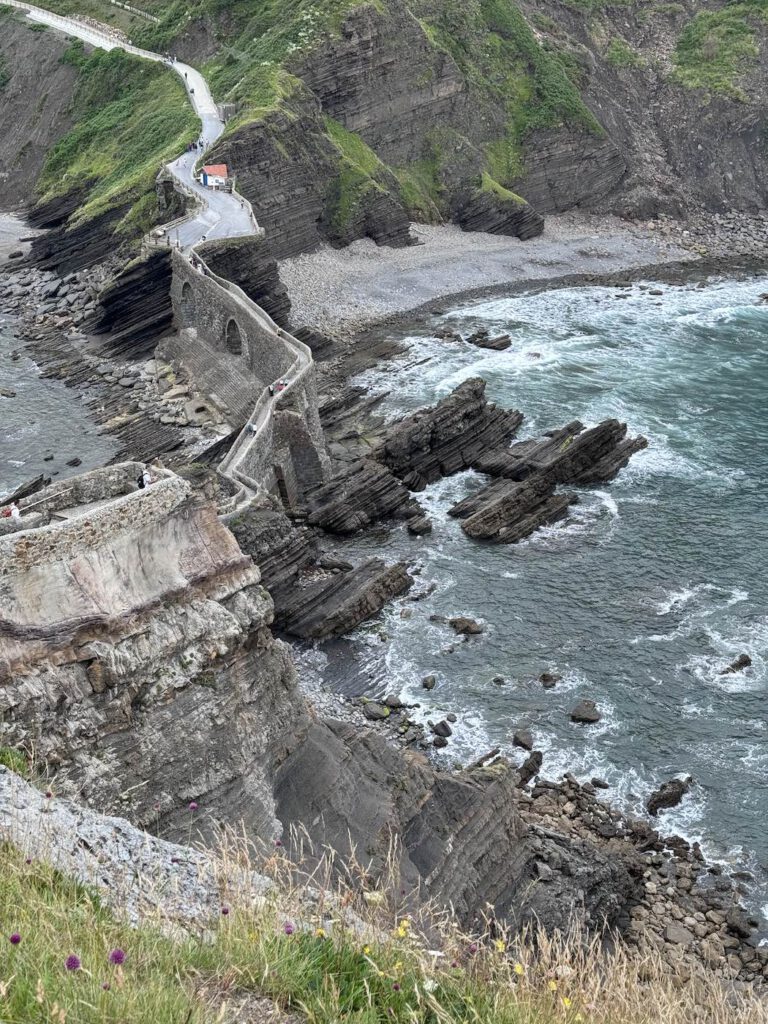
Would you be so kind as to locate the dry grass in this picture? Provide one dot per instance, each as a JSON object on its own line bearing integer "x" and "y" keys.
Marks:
{"x": 324, "y": 950}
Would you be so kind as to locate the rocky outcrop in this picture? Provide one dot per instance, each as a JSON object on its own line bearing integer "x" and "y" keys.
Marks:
{"x": 64, "y": 249}
{"x": 446, "y": 438}
{"x": 507, "y": 512}
{"x": 134, "y": 310}
{"x": 136, "y": 659}
{"x": 498, "y": 215}
{"x": 526, "y": 498}
{"x": 248, "y": 262}
{"x": 571, "y": 455}
{"x": 463, "y": 839}
{"x": 334, "y": 603}
{"x": 316, "y": 597}
{"x": 669, "y": 794}
{"x": 357, "y": 497}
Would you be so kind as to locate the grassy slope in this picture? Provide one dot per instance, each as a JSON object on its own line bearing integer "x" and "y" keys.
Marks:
{"x": 130, "y": 117}
{"x": 716, "y": 47}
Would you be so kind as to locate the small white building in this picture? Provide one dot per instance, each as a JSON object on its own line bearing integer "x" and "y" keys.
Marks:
{"x": 214, "y": 176}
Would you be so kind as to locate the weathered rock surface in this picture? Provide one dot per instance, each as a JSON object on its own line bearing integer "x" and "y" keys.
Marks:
{"x": 359, "y": 496}
{"x": 486, "y": 211}
{"x": 525, "y": 497}
{"x": 131, "y": 639}
{"x": 585, "y": 712}
{"x": 446, "y": 438}
{"x": 572, "y": 455}
{"x": 669, "y": 794}
{"x": 336, "y": 604}
{"x": 134, "y": 310}
{"x": 340, "y": 778}
{"x": 249, "y": 263}
{"x": 315, "y": 596}
{"x": 136, "y": 874}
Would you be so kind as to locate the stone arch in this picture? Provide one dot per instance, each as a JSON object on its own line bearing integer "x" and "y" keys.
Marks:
{"x": 233, "y": 338}
{"x": 188, "y": 305}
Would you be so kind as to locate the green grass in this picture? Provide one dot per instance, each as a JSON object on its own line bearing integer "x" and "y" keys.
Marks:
{"x": 14, "y": 760}
{"x": 488, "y": 184}
{"x": 620, "y": 54}
{"x": 130, "y": 117}
{"x": 717, "y": 47}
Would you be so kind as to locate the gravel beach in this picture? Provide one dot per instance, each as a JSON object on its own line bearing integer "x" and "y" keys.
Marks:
{"x": 341, "y": 291}
{"x": 12, "y": 228}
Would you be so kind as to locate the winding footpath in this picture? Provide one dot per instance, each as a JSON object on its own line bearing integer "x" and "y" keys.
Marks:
{"x": 218, "y": 215}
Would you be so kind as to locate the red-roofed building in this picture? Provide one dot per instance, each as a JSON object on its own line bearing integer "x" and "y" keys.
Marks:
{"x": 214, "y": 176}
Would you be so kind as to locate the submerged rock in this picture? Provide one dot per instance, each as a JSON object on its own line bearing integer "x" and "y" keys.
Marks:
{"x": 738, "y": 665}
{"x": 465, "y": 626}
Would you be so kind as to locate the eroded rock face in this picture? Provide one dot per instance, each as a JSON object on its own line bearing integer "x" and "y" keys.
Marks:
{"x": 463, "y": 839}
{"x": 448, "y": 437}
{"x": 136, "y": 661}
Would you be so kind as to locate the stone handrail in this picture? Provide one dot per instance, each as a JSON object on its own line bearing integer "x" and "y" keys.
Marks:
{"x": 260, "y": 420}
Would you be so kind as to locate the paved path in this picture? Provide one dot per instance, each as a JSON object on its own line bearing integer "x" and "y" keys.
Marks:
{"x": 223, "y": 215}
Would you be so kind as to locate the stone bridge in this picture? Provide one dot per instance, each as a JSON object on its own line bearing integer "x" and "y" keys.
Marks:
{"x": 235, "y": 351}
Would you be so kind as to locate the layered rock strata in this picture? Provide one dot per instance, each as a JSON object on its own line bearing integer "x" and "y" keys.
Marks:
{"x": 136, "y": 659}
{"x": 525, "y": 498}
{"x": 447, "y": 438}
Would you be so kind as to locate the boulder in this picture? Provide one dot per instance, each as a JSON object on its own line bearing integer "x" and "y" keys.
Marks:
{"x": 669, "y": 794}
{"x": 442, "y": 728}
{"x": 465, "y": 626}
{"x": 429, "y": 682}
{"x": 549, "y": 680}
{"x": 375, "y": 712}
{"x": 738, "y": 665}
{"x": 530, "y": 768}
{"x": 678, "y": 935}
{"x": 585, "y": 712}
{"x": 523, "y": 738}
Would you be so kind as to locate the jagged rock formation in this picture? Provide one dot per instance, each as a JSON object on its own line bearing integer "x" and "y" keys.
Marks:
{"x": 335, "y": 604}
{"x": 358, "y": 496}
{"x": 134, "y": 309}
{"x": 315, "y": 597}
{"x": 487, "y": 211}
{"x": 447, "y": 438}
{"x": 571, "y": 455}
{"x": 511, "y": 508}
{"x": 463, "y": 840}
{"x": 248, "y": 262}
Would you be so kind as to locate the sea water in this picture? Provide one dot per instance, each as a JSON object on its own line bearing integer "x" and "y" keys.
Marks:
{"x": 653, "y": 584}
{"x": 43, "y": 418}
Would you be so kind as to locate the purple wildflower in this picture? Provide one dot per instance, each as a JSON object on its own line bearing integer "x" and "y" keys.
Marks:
{"x": 454, "y": 963}
{"x": 14, "y": 939}
{"x": 117, "y": 956}
{"x": 288, "y": 928}
{"x": 48, "y": 794}
{"x": 72, "y": 963}
{"x": 28, "y": 860}
{"x": 278, "y": 842}
{"x": 396, "y": 987}
{"x": 225, "y": 911}
{"x": 473, "y": 947}
{"x": 106, "y": 986}
{"x": 193, "y": 805}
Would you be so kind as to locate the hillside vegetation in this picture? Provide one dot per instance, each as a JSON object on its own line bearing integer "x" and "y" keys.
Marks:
{"x": 66, "y": 959}
{"x": 130, "y": 116}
